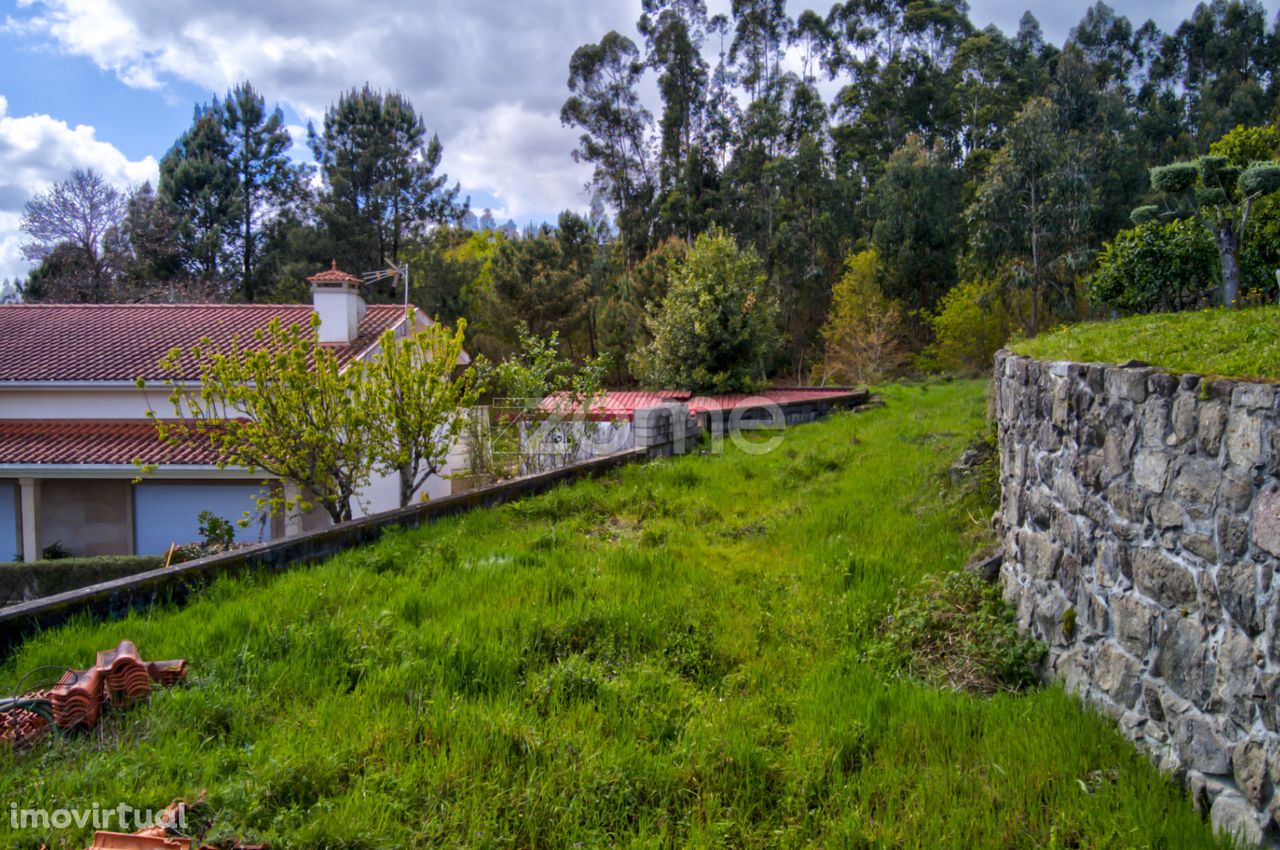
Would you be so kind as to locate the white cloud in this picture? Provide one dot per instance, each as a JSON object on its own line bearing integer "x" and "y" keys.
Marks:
{"x": 37, "y": 151}
{"x": 487, "y": 75}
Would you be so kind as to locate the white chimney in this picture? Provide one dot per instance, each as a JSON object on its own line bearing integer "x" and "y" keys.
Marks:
{"x": 335, "y": 295}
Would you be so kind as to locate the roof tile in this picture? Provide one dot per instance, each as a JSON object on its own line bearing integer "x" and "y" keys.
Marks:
{"x": 122, "y": 342}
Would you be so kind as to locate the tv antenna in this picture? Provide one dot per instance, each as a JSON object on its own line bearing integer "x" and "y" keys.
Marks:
{"x": 394, "y": 273}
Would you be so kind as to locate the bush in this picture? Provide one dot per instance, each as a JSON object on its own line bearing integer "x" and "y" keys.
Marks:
{"x": 864, "y": 329}
{"x": 716, "y": 330}
{"x": 1156, "y": 266}
{"x": 971, "y": 326}
{"x": 21, "y": 581}
{"x": 956, "y": 631}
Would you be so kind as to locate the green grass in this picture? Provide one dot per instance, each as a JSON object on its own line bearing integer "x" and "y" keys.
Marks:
{"x": 671, "y": 656}
{"x": 1225, "y": 343}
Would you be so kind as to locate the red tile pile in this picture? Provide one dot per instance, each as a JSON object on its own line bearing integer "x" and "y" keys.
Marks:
{"x": 160, "y": 837}
{"x": 119, "y": 675}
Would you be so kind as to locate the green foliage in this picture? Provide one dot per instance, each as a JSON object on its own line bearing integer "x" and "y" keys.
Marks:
{"x": 1244, "y": 146}
{"x": 214, "y": 530}
{"x": 547, "y": 673}
{"x": 20, "y": 581}
{"x": 280, "y": 403}
{"x": 1155, "y": 266}
{"x": 1239, "y": 344}
{"x": 1175, "y": 178}
{"x": 415, "y": 391}
{"x": 955, "y": 631}
{"x": 717, "y": 327}
{"x": 971, "y": 325}
{"x": 1260, "y": 178}
{"x": 864, "y": 330}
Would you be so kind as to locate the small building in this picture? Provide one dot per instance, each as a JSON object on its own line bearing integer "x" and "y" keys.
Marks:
{"x": 73, "y": 420}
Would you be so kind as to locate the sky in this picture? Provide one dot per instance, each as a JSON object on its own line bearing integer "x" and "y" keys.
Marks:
{"x": 110, "y": 84}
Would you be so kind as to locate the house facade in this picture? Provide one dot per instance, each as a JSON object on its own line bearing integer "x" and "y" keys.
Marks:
{"x": 73, "y": 421}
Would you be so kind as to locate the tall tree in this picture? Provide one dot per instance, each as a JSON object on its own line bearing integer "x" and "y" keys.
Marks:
{"x": 268, "y": 181}
{"x": 199, "y": 182}
{"x": 604, "y": 102}
{"x": 379, "y": 170}
{"x": 73, "y": 230}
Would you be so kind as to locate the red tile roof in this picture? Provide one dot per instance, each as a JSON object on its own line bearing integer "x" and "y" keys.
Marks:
{"x": 335, "y": 275}
{"x": 622, "y": 404}
{"x": 96, "y": 441}
{"x": 121, "y": 342}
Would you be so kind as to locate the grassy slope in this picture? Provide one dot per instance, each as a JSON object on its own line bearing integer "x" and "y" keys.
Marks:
{"x": 666, "y": 657}
{"x": 1235, "y": 343}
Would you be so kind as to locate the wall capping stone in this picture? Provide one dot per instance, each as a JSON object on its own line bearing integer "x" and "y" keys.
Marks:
{"x": 1147, "y": 504}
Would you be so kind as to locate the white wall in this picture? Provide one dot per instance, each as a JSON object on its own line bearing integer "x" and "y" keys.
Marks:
{"x": 82, "y": 403}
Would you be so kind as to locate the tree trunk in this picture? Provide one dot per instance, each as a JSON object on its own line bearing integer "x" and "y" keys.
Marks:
{"x": 406, "y": 486}
{"x": 1229, "y": 255}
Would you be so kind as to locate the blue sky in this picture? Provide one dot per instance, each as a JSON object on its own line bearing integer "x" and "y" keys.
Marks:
{"x": 111, "y": 83}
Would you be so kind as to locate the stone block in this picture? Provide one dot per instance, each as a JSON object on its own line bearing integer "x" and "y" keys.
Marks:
{"x": 1182, "y": 659}
{"x": 1232, "y": 816}
{"x": 1195, "y": 484}
{"x": 1163, "y": 579}
{"x": 1235, "y": 679}
{"x": 1244, "y": 439}
{"x": 1117, "y": 675}
{"x": 1168, "y": 515}
{"x": 1236, "y": 490}
{"x": 1233, "y": 537}
{"x": 1132, "y": 619}
{"x": 1238, "y": 591}
{"x": 1200, "y": 745}
{"x": 1129, "y": 384}
{"x": 1151, "y": 470}
{"x": 1265, "y": 530}
{"x": 1210, "y": 425}
{"x": 1182, "y": 417}
{"x": 1253, "y": 396}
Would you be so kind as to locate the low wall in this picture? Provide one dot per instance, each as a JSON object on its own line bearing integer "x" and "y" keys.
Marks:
{"x": 1141, "y": 526}
{"x": 660, "y": 431}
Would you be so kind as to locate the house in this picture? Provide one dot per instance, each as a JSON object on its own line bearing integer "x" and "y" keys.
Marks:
{"x": 73, "y": 420}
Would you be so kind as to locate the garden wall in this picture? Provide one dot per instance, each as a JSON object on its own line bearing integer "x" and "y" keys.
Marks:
{"x": 1141, "y": 527}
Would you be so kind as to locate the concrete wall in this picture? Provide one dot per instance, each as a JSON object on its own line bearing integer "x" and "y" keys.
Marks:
{"x": 1141, "y": 522}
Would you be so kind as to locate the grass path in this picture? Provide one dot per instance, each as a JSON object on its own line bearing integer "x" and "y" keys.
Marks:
{"x": 671, "y": 656}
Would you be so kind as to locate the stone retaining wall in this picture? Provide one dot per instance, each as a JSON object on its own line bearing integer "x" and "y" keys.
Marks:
{"x": 1141, "y": 527}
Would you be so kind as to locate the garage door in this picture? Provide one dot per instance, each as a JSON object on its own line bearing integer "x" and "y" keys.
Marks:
{"x": 169, "y": 513}
{"x": 8, "y": 521}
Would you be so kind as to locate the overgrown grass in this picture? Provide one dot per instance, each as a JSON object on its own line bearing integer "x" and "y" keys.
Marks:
{"x": 1228, "y": 343}
{"x": 672, "y": 656}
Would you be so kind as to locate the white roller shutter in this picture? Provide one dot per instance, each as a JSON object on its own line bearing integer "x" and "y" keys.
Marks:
{"x": 8, "y": 521}
{"x": 169, "y": 513}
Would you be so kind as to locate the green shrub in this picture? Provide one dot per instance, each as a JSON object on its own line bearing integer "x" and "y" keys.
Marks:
{"x": 1156, "y": 266}
{"x": 971, "y": 326}
{"x": 716, "y": 330}
{"x": 956, "y": 631}
{"x": 20, "y": 581}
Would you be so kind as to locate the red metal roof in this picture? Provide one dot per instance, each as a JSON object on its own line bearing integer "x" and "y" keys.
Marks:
{"x": 622, "y": 404}
{"x": 122, "y": 342}
{"x": 95, "y": 441}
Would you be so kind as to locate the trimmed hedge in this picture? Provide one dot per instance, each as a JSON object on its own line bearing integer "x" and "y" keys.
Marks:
{"x": 22, "y": 581}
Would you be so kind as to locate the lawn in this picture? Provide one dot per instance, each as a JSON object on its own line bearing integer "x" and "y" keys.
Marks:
{"x": 670, "y": 656}
{"x": 1226, "y": 343}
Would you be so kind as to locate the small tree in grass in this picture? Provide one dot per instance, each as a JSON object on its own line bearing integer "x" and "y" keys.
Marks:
{"x": 280, "y": 404}
{"x": 864, "y": 329}
{"x": 415, "y": 392}
{"x": 717, "y": 327}
{"x": 1219, "y": 195}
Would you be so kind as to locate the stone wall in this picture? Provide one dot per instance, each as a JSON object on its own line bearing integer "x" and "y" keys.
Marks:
{"x": 1141, "y": 527}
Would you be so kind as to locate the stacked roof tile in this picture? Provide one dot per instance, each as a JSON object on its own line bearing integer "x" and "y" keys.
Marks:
{"x": 77, "y": 699}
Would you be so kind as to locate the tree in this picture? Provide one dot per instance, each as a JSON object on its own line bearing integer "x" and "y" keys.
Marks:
{"x": 916, "y": 208}
{"x": 267, "y": 181}
{"x": 863, "y": 331}
{"x": 415, "y": 393}
{"x": 280, "y": 403}
{"x": 73, "y": 230}
{"x": 199, "y": 183}
{"x": 1219, "y": 196}
{"x": 605, "y": 104}
{"x": 716, "y": 330}
{"x": 1155, "y": 266}
{"x": 379, "y": 170}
